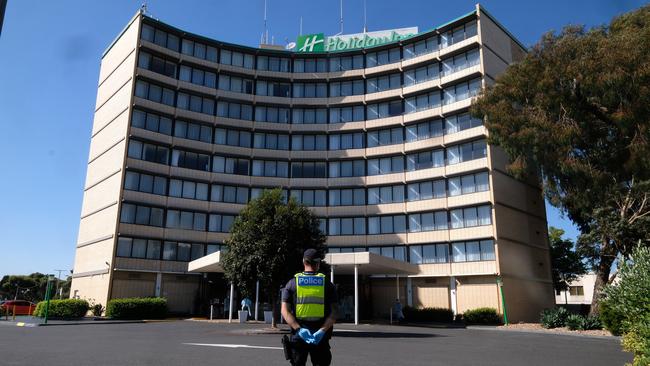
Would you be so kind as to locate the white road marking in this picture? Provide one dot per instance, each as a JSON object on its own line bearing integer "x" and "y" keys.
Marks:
{"x": 346, "y": 330}
{"x": 230, "y": 345}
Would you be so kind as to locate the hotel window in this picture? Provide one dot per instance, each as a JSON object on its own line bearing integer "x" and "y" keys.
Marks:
{"x": 197, "y": 76}
{"x": 346, "y": 88}
{"x": 431, "y": 253}
{"x": 141, "y": 215}
{"x": 426, "y": 190}
{"x": 228, "y": 194}
{"x": 346, "y": 63}
{"x": 310, "y": 65}
{"x": 461, "y": 122}
{"x": 309, "y": 115}
{"x": 273, "y": 64}
{"x": 422, "y": 102}
{"x": 156, "y": 64}
{"x": 386, "y": 194}
{"x": 310, "y": 90}
{"x": 190, "y": 160}
{"x": 154, "y": 93}
{"x": 138, "y": 248}
{"x": 185, "y": 220}
{"x": 271, "y": 141}
{"x": 272, "y": 114}
{"x": 466, "y": 152}
{"x": 195, "y": 103}
{"x": 383, "y": 57}
{"x": 470, "y": 183}
{"x": 387, "y": 165}
{"x": 183, "y": 251}
{"x": 134, "y": 181}
{"x": 384, "y": 110}
{"x": 346, "y": 114}
{"x": 199, "y": 50}
{"x": 310, "y": 197}
{"x": 346, "y": 250}
{"x": 421, "y": 74}
{"x": 235, "y": 84}
{"x": 471, "y": 216}
{"x": 347, "y": 197}
{"x": 309, "y": 170}
{"x": 220, "y": 223}
{"x": 273, "y": 89}
{"x": 309, "y": 142}
{"x": 235, "y": 110}
{"x": 473, "y": 251}
{"x": 221, "y": 164}
{"x": 232, "y": 137}
{"x": 384, "y": 83}
{"x": 424, "y": 130}
{"x": 347, "y": 141}
{"x": 387, "y": 224}
{"x": 159, "y": 37}
{"x": 188, "y": 189}
{"x": 385, "y": 137}
{"x": 151, "y": 122}
{"x": 395, "y": 252}
{"x": 347, "y": 168}
{"x": 256, "y": 192}
{"x": 458, "y": 34}
{"x": 576, "y": 291}
{"x": 425, "y": 160}
{"x": 239, "y": 59}
{"x": 149, "y": 152}
{"x": 460, "y": 62}
{"x": 462, "y": 91}
{"x": 193, "y": 131}
{"x": 428, "y": 221}
{"x": 347, "y": 226}
{"x": 270, "y": 168}
{"x": 420, "y": 48}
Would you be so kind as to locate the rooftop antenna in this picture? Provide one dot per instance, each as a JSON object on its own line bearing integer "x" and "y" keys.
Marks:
{"x": 341, "y": 20}
{"x": 365, "y": 22}
{"x": 266, "y": 30}
{"x": 143, "y": 8}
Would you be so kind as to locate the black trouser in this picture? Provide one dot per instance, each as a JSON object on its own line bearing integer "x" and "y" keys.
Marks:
{"x": 320, "y": 353}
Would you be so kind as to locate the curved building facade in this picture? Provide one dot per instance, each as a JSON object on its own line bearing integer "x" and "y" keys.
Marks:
{"x": 377, "y": 141}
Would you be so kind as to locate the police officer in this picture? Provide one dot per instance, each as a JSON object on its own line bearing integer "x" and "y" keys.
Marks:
{"x": 309, "y": 307}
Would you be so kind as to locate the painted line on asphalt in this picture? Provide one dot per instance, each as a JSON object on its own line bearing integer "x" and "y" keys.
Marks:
{"x": 346, "y": 330}
{"x": 223, "y": 345}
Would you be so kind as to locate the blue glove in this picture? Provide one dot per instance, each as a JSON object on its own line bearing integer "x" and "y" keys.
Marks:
{"x": 318, "y": 336}
{"x": 306, "y": 335}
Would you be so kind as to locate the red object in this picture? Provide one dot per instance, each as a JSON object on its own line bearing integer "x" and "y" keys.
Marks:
{"x": 22, "y": 307}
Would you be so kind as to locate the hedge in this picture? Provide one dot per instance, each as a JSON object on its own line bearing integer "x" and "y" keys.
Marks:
{"x": 64, "y": 309}
{"x": 482, "y": 316}
{"x": 437, "y": 315}
{"x": 137, "y": 308}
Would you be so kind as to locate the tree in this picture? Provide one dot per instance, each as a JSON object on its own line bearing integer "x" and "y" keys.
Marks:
{"x": 267, "y": 242}
{"x": 566, "y": 263}
{"x": 576, "y": 111}
{"x": 30, "y": 288}
{"x": 630, "y": 297}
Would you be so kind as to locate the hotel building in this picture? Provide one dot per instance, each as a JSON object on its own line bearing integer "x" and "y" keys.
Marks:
{"x": 376, "y": 140}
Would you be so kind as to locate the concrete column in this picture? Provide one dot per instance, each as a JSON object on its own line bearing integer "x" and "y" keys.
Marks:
{"x": 452, "y": 294}
{"x": 409, "y": 291}
{"x": 232, "y": 294}
{"x": 356, "y": 294}
{"x": 397, "y": 285}
{"x": 332, "y": 274}
{"x": 257, "y": 297}
{"x": 158, "y": 283}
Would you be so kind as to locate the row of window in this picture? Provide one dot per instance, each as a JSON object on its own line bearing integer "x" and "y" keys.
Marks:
{"x": 164, "y": 250}
{"x": 333, "y": 226}
{"x": 441, "y": 188}
{"x": 308, "y": 169}
{"x": 303, "y": 64}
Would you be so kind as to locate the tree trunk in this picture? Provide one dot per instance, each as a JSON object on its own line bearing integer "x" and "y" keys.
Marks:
{"x": 607, "y": 256}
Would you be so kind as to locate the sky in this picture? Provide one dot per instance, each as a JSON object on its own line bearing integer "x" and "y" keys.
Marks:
{"x": 50, "y": 54}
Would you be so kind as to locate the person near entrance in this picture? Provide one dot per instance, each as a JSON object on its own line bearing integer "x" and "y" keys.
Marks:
{"x": 309, "y": 308}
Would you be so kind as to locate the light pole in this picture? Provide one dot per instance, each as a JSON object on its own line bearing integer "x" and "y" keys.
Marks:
{"x": 58, "y": 280}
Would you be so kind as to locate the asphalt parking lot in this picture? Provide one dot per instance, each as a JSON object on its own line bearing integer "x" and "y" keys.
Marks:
{"x": 200, "y": 343}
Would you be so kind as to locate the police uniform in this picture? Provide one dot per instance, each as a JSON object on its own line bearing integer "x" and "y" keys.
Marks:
{"x": 311, "y": 297}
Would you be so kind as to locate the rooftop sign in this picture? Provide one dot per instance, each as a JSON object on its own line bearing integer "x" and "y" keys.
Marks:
{"x": 319, "y": 43}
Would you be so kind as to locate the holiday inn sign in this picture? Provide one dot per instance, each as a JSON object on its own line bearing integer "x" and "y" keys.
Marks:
{"x": 319, "y": 43}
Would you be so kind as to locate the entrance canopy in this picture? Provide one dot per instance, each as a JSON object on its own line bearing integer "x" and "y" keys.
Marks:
{"x": 209, "y": 263}
{"x": 368, "y": 263}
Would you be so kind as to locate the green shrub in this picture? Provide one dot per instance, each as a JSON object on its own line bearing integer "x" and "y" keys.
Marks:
{"x": 482, "y": 316}
{"x": 611, "y": 319}
{"x": 64, "y": 309}
{"x": 437, "y": 315}
{"x": 574, "y": 321}
{"x": 554, "y": 318}
{"x": 137, "y": 308}
{"x": 637, "y": 340}
{"x": 591, "y": 322}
